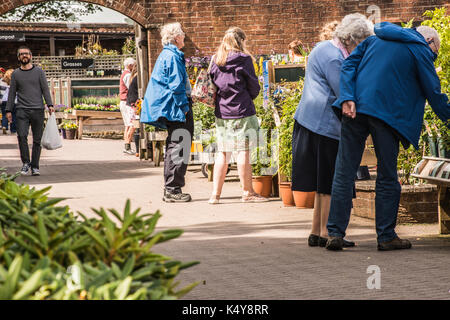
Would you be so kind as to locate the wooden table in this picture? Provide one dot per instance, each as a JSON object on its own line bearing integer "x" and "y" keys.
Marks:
{"x": 82, "y": 115}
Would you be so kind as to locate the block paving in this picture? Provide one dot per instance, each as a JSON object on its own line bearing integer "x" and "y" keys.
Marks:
{"x": 247, "y": 251}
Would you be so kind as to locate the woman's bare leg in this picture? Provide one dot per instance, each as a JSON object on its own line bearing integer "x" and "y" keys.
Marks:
{"x": 245, "y": 172}
{"x": 316, "y": 223}
{"x": 220, "y": 171}
{"x": 324, "y": 211}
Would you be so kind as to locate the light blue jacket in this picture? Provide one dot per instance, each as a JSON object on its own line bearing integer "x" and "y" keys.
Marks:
{"x": 165, "y": 98}
{"x": 390, "y": 75}
{"x": 321, "y": 88}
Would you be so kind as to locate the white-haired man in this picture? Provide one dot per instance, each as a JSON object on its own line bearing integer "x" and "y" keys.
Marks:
{"x": 383, "y": 87}
{"x": 129, "y": 64}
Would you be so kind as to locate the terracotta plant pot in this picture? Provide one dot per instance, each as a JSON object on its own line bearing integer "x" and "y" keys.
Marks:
{"x": 304, "y": 199}
{"x": 70, "y": 134}
{"x": 262, "y": 185}
{"x": 286, "y": 194}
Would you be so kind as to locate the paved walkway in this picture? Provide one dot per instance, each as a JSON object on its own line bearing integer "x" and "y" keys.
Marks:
{"x": 252, "y": 251}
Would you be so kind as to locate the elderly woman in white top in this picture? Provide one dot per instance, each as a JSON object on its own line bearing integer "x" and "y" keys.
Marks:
{"x": 317, "y": 128}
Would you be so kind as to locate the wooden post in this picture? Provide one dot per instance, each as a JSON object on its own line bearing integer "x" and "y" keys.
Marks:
{"x": 52, "y": 46}
{"x": 444, "y": 209}
{"x": 143, "y": 76}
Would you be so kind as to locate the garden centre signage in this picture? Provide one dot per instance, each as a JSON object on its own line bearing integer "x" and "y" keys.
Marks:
{"x": 77, "y": 63}
{"x": 8, "y": 36}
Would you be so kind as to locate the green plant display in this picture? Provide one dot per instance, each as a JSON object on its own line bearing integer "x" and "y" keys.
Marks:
{"x": 205, "y": 115}
{"x": 93, "y": 103}
{"x": 47, "y": 253}
{"x": 261, "y": 165}
{"x": 129, "y": 47}
{"x": 288, "y": 108}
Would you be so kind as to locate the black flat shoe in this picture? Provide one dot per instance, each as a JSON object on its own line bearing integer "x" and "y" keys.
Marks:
{"x": 322, "y": 242}
{"x": 313, "y": 240}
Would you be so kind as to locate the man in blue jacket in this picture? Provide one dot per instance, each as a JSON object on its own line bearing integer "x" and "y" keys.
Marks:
{"x": 383, "y": 87}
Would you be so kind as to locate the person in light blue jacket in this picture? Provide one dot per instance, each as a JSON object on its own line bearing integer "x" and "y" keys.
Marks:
{"x": 167, "y": 105}
{"x": 317, "y": 128}
{"x": 383, "y": 87}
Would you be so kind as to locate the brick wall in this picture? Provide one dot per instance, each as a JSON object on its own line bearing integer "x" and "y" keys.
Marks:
{"x": 270, "y": 24}
{"x": 418, "y": 204}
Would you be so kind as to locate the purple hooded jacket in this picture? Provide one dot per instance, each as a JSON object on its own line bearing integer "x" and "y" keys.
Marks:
{"x": 237, "y": 86}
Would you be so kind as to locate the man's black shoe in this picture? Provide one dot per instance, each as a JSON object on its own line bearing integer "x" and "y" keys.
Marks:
{"x": 176, "y": 197}
{"x": 348, "y": 244}
{"x": 335, "y": 243}
{"x": 394, "y": 244}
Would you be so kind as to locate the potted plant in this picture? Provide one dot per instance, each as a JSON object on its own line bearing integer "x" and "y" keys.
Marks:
{"x": 288, "y": 100}
{"x": 261, "y": 156}
{"x": 285, "y": 157}
{"x": 261, "y": 173}
{"x": 70, "y": 129}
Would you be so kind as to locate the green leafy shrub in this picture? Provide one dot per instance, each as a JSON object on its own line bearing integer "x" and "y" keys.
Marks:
{"x": 112, "y": 255}
{"x": 261, "y": 156}
{"x": 205, "y": 115}
{"x": 289, "y": 101}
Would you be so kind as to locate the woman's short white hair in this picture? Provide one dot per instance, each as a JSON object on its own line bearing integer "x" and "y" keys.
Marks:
{"x": 353, "y": 29}
{"x": 170, "y": 31}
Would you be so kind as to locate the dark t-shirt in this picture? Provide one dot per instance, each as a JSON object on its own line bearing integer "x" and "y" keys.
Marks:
{"x": 133, "y": 93}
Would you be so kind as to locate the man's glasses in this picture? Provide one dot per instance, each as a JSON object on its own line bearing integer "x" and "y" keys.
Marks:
{"x": 24, "y": 54}
{"x": 435, "y": 47}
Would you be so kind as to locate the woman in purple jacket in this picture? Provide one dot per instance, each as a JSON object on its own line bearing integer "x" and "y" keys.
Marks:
{"x": 233, "y": 73}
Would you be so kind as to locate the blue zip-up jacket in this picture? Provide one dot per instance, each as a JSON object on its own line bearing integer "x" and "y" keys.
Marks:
{"x": 165, "y": 97}
{"x": 389, "y": 76}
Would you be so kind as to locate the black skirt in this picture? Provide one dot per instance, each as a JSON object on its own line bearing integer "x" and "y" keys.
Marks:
{"x": 313, "y": 160}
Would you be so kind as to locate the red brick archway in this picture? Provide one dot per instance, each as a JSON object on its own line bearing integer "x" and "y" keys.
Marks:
{"x": 270, "y": 24}
{"x": 130, "y": 8}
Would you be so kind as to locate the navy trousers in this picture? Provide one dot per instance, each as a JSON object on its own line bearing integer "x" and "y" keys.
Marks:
{"x": 351, "y": 147}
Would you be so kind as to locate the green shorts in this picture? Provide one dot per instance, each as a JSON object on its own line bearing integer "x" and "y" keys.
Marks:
{"x": 236, "y": 134}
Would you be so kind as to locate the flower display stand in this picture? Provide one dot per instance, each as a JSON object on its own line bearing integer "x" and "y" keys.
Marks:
{"x": 83, "y": 115}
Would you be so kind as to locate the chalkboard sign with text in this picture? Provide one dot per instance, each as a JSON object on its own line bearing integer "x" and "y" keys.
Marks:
{"x": 77, "y": 63}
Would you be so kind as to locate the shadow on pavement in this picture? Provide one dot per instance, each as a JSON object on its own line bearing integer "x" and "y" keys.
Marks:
{"x": 52, "y": 173}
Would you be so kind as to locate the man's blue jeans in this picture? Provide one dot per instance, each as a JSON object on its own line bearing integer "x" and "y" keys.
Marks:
{"x": 351, "y": 147}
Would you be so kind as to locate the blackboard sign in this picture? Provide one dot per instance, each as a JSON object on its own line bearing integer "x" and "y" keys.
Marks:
{"x": 77, "y": 63}
{"x": 8, "y": 36}
{"x": 285, "y": 72}
{"x": 289, "y": 74}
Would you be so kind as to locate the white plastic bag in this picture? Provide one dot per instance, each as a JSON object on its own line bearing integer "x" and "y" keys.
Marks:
{"x": 51, "y": 139}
